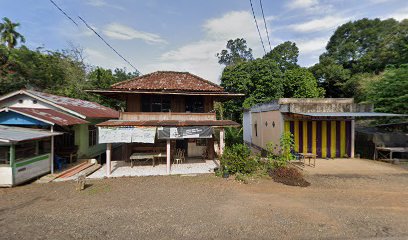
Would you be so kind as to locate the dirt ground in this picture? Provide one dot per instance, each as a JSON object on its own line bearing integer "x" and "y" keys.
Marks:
{"x": 350, "y": 199}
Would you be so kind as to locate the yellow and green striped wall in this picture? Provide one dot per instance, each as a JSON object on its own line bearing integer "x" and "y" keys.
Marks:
{"x": 325, "y": 138}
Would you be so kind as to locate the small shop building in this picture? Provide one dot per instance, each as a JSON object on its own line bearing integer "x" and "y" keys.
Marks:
{"x": 166, "y": 113}
{"x": 25, "y": 154}
{"x": 76, "y": 118}
{"x": 324, "y": 127}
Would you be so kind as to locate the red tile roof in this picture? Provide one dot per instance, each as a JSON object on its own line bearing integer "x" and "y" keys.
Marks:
{"x": 50, "y": 115}
{"x": 169, "y": 81}
{"x": 164, "y": 123}
{"x": 86, "y": 108}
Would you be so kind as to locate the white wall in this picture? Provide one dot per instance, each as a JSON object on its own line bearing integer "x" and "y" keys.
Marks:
{"x": 27, "y": 102}
{"x": 247, "y": 124}
{"x": 6, "y": 176}
{"x": 32, "y": 170}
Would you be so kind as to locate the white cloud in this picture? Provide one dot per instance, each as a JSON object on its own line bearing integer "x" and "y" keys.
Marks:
{"x": 399, "y": 15}
{"x": 294, "y": 4}
{"x": 102, "y": 59}
{"x": 200, "y": 57}
{"x": 123, "y": 32}
{"x": 312, "y": 45}
{"x": 103, "y": 3}
{"x": 321, "y": 24}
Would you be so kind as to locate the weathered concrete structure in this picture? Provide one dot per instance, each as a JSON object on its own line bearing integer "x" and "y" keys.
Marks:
{"x": 323, "y": 126}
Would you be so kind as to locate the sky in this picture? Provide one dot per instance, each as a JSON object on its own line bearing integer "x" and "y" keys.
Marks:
{"x": 185, "y": 35}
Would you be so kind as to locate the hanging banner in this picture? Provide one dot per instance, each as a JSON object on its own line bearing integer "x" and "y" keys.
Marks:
{"x": 126, "y": 134}
{"x": 184, "y": 132}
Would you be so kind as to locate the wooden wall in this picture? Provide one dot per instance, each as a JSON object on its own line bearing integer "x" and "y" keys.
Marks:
{"x": 178, "y": 103}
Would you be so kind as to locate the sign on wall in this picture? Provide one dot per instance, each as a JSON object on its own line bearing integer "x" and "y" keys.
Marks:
{"x": 184, "y": 132}
{"x": 126, "y": 134}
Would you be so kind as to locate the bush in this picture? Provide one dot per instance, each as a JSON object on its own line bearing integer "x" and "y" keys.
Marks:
{"x": 238, "y": 159}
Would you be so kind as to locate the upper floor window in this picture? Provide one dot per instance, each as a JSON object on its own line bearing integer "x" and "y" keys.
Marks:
{"x": 195, "y": 104}
{"x": 156, "y": 103}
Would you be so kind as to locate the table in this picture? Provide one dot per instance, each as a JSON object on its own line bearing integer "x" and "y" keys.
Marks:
{"x": 390, "y": 151}
{"x": 140, "y": 156}
{"x": 309, "y": 156}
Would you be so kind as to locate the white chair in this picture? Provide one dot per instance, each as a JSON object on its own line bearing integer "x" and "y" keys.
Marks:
{"x": 178, "y": 158}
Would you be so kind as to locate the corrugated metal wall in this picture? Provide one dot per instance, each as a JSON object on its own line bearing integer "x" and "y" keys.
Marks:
{"x": 324, "y": 138}
{"x": 246, "y": 123}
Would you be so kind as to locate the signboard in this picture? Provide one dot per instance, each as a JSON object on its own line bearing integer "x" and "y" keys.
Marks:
{"x": 126, "y": 134}
{"x": 184, "y": 132}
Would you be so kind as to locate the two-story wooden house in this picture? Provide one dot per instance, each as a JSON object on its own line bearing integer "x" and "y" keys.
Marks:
{"x": 166, "y": 111}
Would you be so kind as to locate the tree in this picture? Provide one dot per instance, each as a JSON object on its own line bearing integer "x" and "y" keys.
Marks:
{"x": 237, "y": 51}
{"x": 8, "y": 33}
{"x": 368, "y": 45}
{"x": 331, "y": 76}
{"x": 259, "y": 80}
{"x": 390, "y": 93}
{"x": 300, "y": 83}
{"x": 285, "y": 55}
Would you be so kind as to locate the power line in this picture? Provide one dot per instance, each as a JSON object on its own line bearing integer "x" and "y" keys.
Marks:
{"x": 256, "y": 23}
{"x": 97, "y": 34}
{"x": 266, "y": 28}
{"x": 89, "y": 27}
{"x": 72, "y": 20}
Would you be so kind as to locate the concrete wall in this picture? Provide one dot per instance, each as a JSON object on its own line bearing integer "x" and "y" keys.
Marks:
{"x": 6, "y": 176}
{"x": 269, "y": 128}
{"x": 247, "y": 126}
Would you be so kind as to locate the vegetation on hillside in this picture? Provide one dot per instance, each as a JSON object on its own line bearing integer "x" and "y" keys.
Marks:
{"x": 59, "y": 72}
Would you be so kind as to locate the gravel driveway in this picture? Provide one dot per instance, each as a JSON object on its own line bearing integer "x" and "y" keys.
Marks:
{"x": 335, "y": 206}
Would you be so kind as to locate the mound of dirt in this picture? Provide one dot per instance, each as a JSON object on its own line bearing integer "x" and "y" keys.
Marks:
{"x": 288, "y": 176}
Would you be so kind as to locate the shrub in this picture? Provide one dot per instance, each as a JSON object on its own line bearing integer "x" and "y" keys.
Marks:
{"x": 238, "y": 159}
{"x": 284, "y": 156}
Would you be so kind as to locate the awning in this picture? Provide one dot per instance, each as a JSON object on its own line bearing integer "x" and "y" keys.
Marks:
{"x": 126, "y": 134}
{"x": 184, "y": 132}
{"x": 19, "y": 134}
{"x": 169, "y": 123}
{"x": 48, "y": 116}
{"x": 350, "y": 114}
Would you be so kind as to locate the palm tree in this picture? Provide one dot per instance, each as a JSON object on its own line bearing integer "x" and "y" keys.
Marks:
{"x": 8, "y": 33}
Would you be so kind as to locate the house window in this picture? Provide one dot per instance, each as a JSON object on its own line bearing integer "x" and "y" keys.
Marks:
{"x": 4, "y": 155}
{"x": 256, "y": 129}
{"x": 92, "y": 135}
{"x": 156, "y": 103}
{"x": 195, "y": 104}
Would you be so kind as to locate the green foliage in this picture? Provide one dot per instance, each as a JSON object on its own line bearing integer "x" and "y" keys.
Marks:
{"x": 300, "y": 83}
{"x": 359, "y": 50}
{"x": 285, "y": 55}
{"x": 259, "y": 80}
{"x": 237, "y": 51}
{"x": 284, "y": 155}
{"x": 8, "y": 33}
{"x": 390, "y": 93}
{"x": 60, "y": 72}
{"x": 331, "y": 76}
{"x": 368, "y": 45}
{"x": 287, "y": 143}
{"x": 233, "y": 136}
{"x": 238, "y": 159}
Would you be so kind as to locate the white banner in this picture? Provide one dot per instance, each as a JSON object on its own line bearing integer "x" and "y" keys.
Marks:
{"x": 126, "y": 134}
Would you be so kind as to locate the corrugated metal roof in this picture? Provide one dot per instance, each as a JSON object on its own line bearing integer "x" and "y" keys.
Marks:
{"x": 215, "y": 123}
{"x": 86, "y": 108}
{"x": 50, "y": 115}
{"x": 169, "y": 81}
{"x": 18, "y": 134}
{"x": 351, "y": 114}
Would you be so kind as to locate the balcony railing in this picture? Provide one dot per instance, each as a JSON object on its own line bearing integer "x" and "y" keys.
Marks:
{"x": 161, "y": 116}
